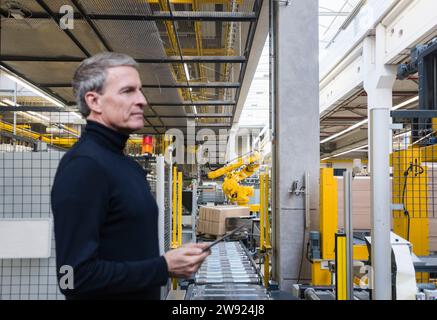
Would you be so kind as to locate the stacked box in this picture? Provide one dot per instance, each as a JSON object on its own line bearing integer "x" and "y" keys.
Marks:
{"x": 212, "y": 218}
{"x": 360, "y": 203}
{"x": 433, "y": 234}
{"x": 202, "y": 225}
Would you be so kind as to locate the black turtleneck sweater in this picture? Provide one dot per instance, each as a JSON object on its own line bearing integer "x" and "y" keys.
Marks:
{"x": 106, "y": 221}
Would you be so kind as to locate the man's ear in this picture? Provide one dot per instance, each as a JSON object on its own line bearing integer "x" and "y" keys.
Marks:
{"x": 93, "y": 101}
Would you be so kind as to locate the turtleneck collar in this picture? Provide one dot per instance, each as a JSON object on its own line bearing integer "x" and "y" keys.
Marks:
{"x": 108, "y": 137}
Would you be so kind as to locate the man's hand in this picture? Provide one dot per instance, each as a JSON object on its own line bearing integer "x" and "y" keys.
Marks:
{"x": 186, "y": 260}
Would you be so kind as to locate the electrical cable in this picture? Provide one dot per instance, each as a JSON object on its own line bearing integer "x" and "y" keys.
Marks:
{"x": 406, "y": 212}
{"x": 307, "y": 253}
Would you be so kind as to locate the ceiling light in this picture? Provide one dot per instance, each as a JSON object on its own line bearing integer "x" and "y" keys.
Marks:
{"x": 405, "y": 103}
{"x": 10, "y": 102}
{"x": 356, "y": 125}
{"x": 361, "y": 123}
{"x": 34, "y": 89}
{"x": 345, "y": 152}
{"x": 76, "y": 115}
{"x": 39, "y": 115}
{"x": 187, "y": 73}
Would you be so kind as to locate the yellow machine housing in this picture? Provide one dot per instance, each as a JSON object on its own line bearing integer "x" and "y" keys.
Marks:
{"x": 320, "y": 274}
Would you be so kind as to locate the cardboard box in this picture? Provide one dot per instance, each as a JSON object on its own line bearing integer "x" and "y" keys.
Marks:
{"x": 433, "y": 227}
{"x": 433, "y": 244}
{"x": 212, "y": 219}
{"x": 202, "y": 213}
{"x": 360, "y": 203}
{"x": 206, "y": 227}
{"x": 200, "y": 227}
{"x": 217, "y": 228}
{"x": 220, "y": 213}
{"x": 208, "y": 214}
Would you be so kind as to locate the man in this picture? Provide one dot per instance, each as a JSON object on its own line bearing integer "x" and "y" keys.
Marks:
{"x": 104, "y": 214}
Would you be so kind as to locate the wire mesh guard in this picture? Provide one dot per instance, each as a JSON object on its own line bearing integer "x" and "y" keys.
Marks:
{"x": 414, "y": 183}
{"x": 32, "y": 144}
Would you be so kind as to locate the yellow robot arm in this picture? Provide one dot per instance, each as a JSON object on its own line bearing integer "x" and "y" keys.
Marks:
{"x": 235, "y": 192}
{"x": 247, "y": 161}
{"x": 224, "y": 170}
{"x": 235, "y": 172}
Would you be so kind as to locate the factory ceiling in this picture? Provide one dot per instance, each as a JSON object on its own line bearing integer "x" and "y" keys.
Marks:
{"x": 193, "y": 54}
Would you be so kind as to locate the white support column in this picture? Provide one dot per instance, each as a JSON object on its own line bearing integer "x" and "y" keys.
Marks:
{"x": 160, "y": 186}
{"x": 297, "y": 136}
{"x": 378, "y": 83}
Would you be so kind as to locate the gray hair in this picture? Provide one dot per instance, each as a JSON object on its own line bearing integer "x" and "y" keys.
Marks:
{"x": 91, "y": 75}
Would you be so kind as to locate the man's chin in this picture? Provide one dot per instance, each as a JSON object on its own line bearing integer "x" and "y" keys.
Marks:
{"x": 131, "y": 128}
{"x": 137, "y": 125}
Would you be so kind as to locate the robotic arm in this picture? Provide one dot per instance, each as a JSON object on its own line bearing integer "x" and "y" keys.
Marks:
{"x": 234, "y": 173}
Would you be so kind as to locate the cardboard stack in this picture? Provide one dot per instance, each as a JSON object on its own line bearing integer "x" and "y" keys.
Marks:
{"x": 432, "y": 205}
{"x": 433, "y": 234}
{"x": 360, "y": 203}
{"x": 212, "y": 218}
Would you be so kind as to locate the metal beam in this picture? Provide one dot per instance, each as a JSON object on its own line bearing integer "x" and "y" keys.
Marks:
{"x": 33, "y": 108}
{"x": 194, "y": 85}
{"x": 334, "y": 14}
{"x": 194, "y": 115}
{"x": 344, "y": 119}
{"x": 412, "y": 114}
{"x": 205, "y": 52}
{"x": 151, "y": 125}
{"x": 197, "y": 85}
{"x": 91, "y": 24}
{"x": 191, "y": 1}
{"x": 188, "y": 103}
{"x": 177, "y": 48}
{"x": 169, "y": 59}
{"x": 156, "y": 16}
{"x": 56, "y": 17}
{"x": 208, "y": 59}
{"x": 250, "y": 36}
{"x": 201, "y": 125}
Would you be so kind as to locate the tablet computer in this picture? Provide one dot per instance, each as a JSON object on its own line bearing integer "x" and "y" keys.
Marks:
{"x": 227, "y": 235}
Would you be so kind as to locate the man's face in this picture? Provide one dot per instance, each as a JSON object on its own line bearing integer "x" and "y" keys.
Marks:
{"x": 122, "y": 102}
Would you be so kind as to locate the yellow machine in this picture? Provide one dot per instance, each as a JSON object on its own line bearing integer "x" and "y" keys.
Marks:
{"x": 321, "y": 276}
{"x": 234, "y": 173}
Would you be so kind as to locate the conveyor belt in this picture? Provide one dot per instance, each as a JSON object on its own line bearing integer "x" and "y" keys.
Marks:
{"x": 228, "y": 273}
{"x": 227, "y": 291}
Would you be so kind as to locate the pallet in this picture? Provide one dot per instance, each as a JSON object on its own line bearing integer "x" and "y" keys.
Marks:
{"x": 206, "y": 236}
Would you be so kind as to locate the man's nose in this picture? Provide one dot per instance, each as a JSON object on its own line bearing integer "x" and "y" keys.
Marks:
{"x": 141, "y": 100}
